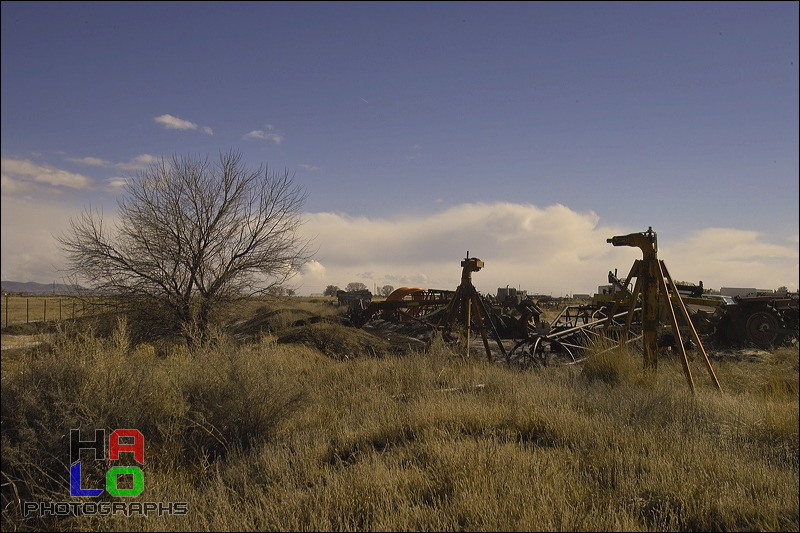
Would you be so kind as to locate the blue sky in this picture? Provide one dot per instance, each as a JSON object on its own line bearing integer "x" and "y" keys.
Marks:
{"x": 526, "y": 133}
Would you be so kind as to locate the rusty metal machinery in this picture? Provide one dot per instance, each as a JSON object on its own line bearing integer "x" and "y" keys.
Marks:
{"x": 580, "y": 329}
{"x": 622, "y": 315}
{"x": 413, "y": 304}
{"x": 513, "y": 313}
{"x": 403, "y": 305}
{"x": 654, "y": 312}
{"x": 763, "y": 321}
{"x": 657, "y": 291}
{"x": 467, "y": 311}
{"x": 355, "y": 301}
{"x": 455, "y": 313}
{"x": 576, "y": 332}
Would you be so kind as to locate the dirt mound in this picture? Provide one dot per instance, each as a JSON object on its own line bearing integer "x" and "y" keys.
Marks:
{"x": 337, "y": 341}
{"x": 275, "y": 321}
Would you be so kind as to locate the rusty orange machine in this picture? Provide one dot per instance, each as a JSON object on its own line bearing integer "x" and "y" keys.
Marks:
{"x": 403, "y": 305}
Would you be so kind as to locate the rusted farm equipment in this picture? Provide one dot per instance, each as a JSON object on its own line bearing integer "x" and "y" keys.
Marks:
{"x": 760, "y": 321}
{"x": 657, "y": 292}
{"x": 580, "y": 329}
{"x": 355, "y": 301}
{"x": 654, "y": 313}
{"x": 577, "y": 331}
{"x": 513, "y": 313}
{"x": 763, "y": 321}
{"x": 651, "y": 303}
{"x": 455, "y": 314}
{"x": 406, "y": 304}
{"x": 467, "y": 311}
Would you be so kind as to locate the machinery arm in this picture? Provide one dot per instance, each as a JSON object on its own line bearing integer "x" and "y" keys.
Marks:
{"x": 645, "y": 240}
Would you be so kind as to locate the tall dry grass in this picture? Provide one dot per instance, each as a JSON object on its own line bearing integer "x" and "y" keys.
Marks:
{"x": 273, "y": 435}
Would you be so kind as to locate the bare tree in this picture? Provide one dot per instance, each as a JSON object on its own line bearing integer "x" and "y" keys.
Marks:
{"x": 386, "y": 290}
{"x": 192, "y": 236}
{"x": 330, "y": 290}
{"x": 355, "y": 286}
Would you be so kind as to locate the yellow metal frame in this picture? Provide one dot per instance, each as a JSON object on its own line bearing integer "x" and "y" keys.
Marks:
{"x": 655, "y": 287}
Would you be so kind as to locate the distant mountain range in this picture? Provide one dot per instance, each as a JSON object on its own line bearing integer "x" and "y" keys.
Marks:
{"x": 35, "y": 288}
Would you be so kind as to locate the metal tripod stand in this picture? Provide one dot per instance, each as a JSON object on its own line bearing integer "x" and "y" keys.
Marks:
{"x": 468, "y": 310}
{"x": 653, "y": 285}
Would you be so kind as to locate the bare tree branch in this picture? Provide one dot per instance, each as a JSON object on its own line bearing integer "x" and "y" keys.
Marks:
{"x": 192, "y": 236}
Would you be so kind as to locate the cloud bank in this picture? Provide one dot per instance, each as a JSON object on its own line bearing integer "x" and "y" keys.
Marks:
{"x": 552, "y": 250}
{"x": 545, "y": 250}
{"x": 20, "y": 176}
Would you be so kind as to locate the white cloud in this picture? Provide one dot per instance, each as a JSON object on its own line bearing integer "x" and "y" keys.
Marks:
{"x": 552, "y": 250}
{"x": 548, "y": 250}
{"x": 145, "y": 159}
{"x": 309, "y": 167}
{"x": 29, "y": 250}
{"x": 314, "y": 268}
{"x": 137, "y": 163}
{"x": 140, "y": 162}
{"x": 171, "y": 122}
{"x": 22, "y": 177}
{"x": 174, "y": 123}
{"x": 313, "y": 274}
{"x": 21, "y": 174}
{"x": 745, "y": 258}
{"x": 266, "y": 135}
{"x": 116, "y": 183}
{"x": 12, "y": 187}
{"x": 91, "y": 161}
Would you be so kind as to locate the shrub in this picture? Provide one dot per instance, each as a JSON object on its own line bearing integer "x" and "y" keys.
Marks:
{"x": 611, "y": 365}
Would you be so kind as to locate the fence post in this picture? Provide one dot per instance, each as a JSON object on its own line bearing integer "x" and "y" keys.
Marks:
{"x": 6, "y": 310}
{"x": 44, "y": 314}
{"x": 27, "y": 310}
{"x": 59, "y": 309}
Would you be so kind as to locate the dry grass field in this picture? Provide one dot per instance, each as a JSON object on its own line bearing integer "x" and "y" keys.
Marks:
{"x": 291, "y": 421}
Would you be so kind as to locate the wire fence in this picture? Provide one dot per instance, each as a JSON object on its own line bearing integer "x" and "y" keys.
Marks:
{"x": 26, "y": 309}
